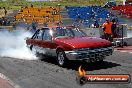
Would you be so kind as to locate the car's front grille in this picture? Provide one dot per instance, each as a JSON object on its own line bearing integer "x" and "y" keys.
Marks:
{"x": 95, "y": 53}
{"x": 92, "y": 48}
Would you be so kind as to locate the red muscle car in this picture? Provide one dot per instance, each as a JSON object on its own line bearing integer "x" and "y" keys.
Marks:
{"x": 68, "y": 43}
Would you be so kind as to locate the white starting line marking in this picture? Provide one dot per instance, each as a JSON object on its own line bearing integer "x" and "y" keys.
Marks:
{"x": 3, "y": 76}
{"x": 7, "y": 79}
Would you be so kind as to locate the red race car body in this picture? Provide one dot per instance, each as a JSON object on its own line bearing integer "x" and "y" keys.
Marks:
{"x": 69, "y": 43}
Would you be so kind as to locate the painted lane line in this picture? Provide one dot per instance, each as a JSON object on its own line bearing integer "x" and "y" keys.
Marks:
{"x": 8, "y": 80}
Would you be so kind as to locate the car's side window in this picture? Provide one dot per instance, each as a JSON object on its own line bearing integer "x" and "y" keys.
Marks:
{"x": 61, "y": 32}
{"x": 47, "y": 35}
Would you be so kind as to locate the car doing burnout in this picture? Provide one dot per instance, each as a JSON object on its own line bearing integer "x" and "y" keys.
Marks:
{"x": 68, "y": 43}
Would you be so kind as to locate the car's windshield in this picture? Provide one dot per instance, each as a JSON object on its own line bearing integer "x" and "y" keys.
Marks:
{"x": 69, "y": 32}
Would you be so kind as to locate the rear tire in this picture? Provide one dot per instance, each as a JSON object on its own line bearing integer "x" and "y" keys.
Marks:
{"x": 37, "y": 54}
{"x": 61, "y": 58}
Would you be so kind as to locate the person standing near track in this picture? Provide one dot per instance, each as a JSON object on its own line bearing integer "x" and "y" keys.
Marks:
{"x": 114, "y": 26}
{"x": 96, "y": 24}
{"x": 107, "y": 27}
{"x": 5, "y": 11}
{"x": 34, "y": 25}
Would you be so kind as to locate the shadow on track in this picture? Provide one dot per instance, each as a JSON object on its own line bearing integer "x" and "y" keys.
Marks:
{"x": 74, "y": 65}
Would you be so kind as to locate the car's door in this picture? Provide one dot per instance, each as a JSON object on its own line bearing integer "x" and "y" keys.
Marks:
{"x": 47, "y": 43}
{"x": 35, "y": 42}
{"x": 42, "y": 41}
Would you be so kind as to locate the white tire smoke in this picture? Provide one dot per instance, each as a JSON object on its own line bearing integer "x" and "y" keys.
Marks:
{"x": 12, "y": 44}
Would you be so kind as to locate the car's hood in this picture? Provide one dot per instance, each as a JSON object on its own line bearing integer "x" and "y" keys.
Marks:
{"x": 84, "y": 42}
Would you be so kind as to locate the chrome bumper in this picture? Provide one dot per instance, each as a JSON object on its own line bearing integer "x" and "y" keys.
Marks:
{"x": 90, "y": 55}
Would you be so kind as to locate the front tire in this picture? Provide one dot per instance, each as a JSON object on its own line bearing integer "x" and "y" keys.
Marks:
{"x": 61, "y": 58}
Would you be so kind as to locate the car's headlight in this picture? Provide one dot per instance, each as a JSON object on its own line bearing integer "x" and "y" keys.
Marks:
{"x": 81, "y": 50}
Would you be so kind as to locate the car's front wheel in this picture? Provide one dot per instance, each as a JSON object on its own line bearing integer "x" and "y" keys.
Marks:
{"x": 61, "y": 58}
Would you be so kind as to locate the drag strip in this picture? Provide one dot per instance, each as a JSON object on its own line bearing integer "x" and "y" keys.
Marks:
{"x": 46, "y": 74}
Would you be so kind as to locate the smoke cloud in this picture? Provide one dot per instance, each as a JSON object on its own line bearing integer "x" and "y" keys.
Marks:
{"x": 129, "y": 33}
{"x": 12, "y": 44}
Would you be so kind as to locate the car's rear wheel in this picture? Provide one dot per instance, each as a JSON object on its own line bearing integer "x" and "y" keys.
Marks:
{"x": 40, "y": 56}
{"x": 61, "y": 58}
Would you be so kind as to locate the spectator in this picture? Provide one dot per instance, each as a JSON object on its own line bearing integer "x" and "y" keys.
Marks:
{"x": 59, "y": 23}
{"x": 4, "y": 21}
{"x": 21, "y": 10}
{"x": 114, "y": 24}
{"x": 46, "y": 24}
{"x": 96, "y": 24}
{"x": 5, "y": 11}
{"x": 116, "y": 19}
{"x": 0, "y": 21}
{"x": 107, "y": 30}
{"x": 26, "y": 7}
{"x": 77, "y": 22}
{"x": 34, "y": 25}
{"x": 32, "y": 5}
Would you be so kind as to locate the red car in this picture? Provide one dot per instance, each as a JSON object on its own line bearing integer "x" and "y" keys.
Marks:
{"x": 68, "y": 43}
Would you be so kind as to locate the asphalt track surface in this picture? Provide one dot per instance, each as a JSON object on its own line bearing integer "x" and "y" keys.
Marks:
{"x": 46, "y": 74}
